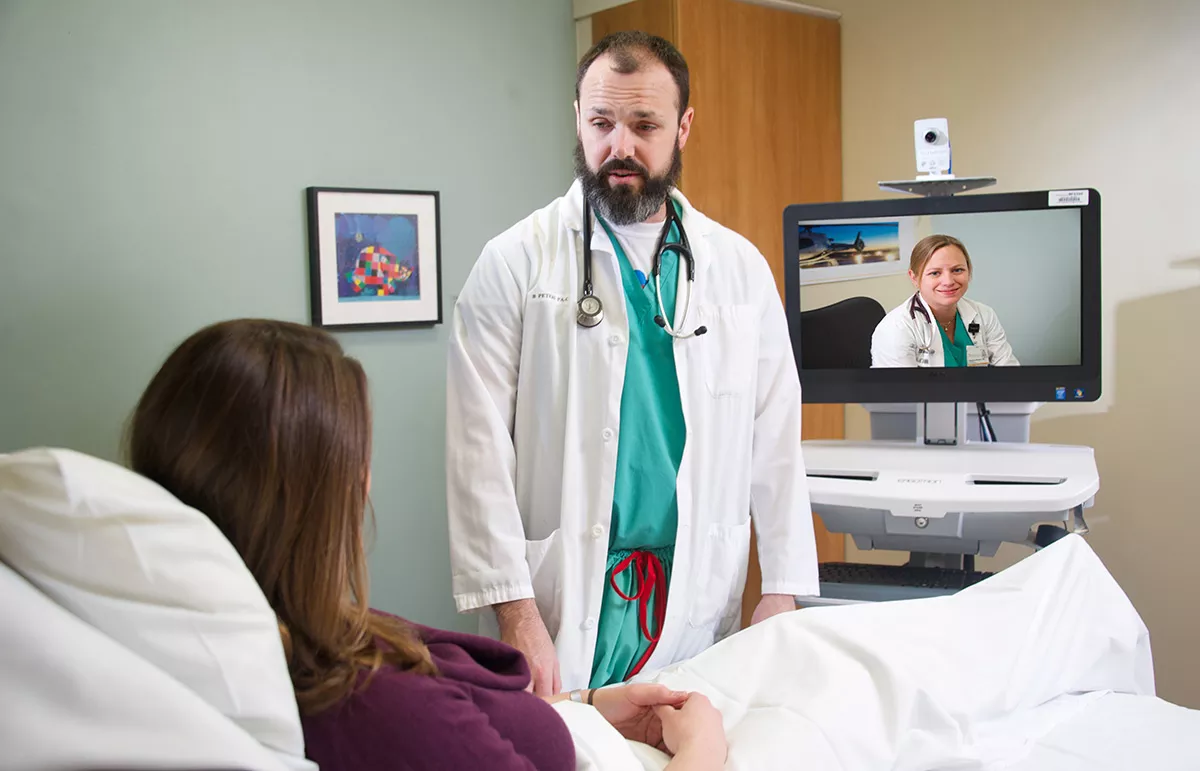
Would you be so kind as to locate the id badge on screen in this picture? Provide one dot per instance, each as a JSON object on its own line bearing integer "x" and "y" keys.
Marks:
{"x": 976, "y": 356}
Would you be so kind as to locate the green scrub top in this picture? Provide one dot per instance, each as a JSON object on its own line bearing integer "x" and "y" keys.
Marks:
{"x": 956, "y": 352}
{"x": 645, "y": 514}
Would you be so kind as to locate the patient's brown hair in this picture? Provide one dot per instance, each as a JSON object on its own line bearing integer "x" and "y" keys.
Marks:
{"x": 265, "y": 427}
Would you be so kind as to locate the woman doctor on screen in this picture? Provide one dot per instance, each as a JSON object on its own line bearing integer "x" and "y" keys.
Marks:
{"x": 937, "y": 326}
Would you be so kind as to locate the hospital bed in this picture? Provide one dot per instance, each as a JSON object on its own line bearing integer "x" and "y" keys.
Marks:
{"x": 1113, "y": 732}
{"x": 1044, "y": 666}
{"x": 1118, "y": 731}
{"x": 143, "y": 642}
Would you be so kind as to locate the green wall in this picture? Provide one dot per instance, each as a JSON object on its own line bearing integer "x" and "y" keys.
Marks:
{"x": 153, "y": 160}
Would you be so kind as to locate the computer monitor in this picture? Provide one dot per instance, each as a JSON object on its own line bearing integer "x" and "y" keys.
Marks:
{"x": 1007, "y": 308}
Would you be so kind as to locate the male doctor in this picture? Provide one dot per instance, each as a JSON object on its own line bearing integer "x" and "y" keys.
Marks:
{"x": 604, "y": 457}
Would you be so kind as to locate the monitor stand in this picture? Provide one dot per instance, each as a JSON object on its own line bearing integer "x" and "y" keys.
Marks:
{"x": 942, "y": 496}
{"x": 944, "y": 425}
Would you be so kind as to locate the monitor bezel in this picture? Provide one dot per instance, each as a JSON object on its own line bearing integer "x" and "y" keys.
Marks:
{"x": 941, "y": 384}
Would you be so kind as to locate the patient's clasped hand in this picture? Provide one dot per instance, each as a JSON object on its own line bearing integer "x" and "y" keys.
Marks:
{"x": 263, "y": 430}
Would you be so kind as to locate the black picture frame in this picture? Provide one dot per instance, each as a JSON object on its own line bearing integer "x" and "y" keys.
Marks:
{"x": 390, "y": 277}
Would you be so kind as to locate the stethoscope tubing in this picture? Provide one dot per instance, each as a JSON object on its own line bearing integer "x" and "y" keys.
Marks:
{"x": 591, "y": 310}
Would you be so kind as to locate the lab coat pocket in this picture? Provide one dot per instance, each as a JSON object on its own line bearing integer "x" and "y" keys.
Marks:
{"x": 729, "y": 349}
{"x": 721, "y": 575}
{"x": 544, "y": 558}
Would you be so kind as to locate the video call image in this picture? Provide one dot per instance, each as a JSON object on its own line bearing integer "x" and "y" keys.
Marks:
{"x": 999, "y": 289}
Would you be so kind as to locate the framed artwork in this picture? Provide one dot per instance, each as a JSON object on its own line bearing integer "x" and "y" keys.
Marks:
{"x": 837, "y": 251}
{"x": 375, "y": 258}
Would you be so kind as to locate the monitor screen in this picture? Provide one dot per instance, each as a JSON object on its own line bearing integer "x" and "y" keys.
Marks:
{"x": 967, "y": 298}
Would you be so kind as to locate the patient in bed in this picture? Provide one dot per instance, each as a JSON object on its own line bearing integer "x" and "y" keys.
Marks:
{"x": 265, "y": 427}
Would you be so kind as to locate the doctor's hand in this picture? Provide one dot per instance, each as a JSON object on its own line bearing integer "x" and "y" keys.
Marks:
{"x": 521, "y": 626}
{"x": 630, "y": 710}
{"x": 772, "y": 605}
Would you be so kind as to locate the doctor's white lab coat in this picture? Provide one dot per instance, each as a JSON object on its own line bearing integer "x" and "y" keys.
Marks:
{"x": 898, "y": 336}
{"x": 533, "y": 411}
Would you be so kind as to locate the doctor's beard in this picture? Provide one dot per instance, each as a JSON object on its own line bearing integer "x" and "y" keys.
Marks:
{"x": 624, "y": 204}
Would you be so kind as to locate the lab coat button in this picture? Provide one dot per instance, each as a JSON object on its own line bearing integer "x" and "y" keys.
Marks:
{"x": 589, "y": 622}
{"x": 607, "y": 434}
{"x": 597, "y": 531}
{"x": 614, "y": 340}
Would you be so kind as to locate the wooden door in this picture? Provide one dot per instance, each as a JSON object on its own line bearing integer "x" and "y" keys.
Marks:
{"x": 766, "y": 87}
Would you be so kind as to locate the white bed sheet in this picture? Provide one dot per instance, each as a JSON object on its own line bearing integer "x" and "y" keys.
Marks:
{"x": 1009, "y": 672}
{"x": 1117, "y": 732}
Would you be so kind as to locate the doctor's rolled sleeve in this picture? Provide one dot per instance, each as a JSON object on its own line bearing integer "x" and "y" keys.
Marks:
{"x": 779, "y": 499}
{"x": 487, "y": 537}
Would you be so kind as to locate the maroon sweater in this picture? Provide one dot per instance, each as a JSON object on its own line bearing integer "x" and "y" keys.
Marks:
{"x": 474, "y": 715}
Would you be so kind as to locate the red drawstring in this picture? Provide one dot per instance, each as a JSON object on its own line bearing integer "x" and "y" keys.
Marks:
{"x": 650, "y": 576}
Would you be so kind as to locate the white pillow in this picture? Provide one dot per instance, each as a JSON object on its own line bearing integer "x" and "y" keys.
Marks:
{"x": 73, "y": 698}
{"x": 156, "y": 576}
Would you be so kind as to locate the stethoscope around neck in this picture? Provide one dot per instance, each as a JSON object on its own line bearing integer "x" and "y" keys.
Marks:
{"x": 591, "y": 310}
{"x": 928, "y": 331}
{"x": 925, "y": 344}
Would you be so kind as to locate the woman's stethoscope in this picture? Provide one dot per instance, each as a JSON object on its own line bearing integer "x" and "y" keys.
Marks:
{"x": 591, "y": 310}
{"x": 928, "y": 332}
{"x": 925, "y": 344}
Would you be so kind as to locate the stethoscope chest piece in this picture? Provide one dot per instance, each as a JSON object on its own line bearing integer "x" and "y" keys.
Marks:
{"x": 591, "y": 311}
